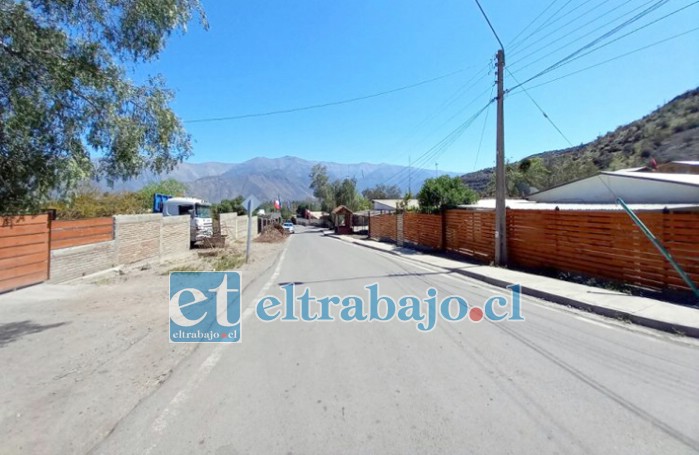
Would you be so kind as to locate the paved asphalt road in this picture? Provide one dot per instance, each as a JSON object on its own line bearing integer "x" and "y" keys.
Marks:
{"x": 560, "y": 382}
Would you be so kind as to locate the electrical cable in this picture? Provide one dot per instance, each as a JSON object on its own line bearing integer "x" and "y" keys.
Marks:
{"x": 322, "y": 105}
{"x": 571, "y": 56}
{"x": 542, "y": 110}
{"x": 656, "y": 43}
{"x": 485, "y": 123}
{"x": 580, "y": 27}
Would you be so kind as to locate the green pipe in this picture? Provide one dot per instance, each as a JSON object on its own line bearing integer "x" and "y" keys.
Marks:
{"x": 659, "y": 246}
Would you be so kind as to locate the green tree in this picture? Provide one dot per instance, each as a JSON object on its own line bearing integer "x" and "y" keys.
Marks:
{"x": 381, "y": 191}
{"x": 231, "y": 206}
{"x": 322, "y": 188}
{"x": 68, "y": 109}
{"x": 444, "y": 192}
{"x": 171, "y": 187}
{"x": 345, "y": 193}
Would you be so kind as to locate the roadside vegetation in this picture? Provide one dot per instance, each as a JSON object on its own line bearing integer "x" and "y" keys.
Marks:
{"x": 444, "y": 192}
{"x": 89, "y": 202}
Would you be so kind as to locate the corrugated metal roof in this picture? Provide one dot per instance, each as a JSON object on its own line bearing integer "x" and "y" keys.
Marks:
{"x": 522, "y": 204}
{"x": 690, "y": 179}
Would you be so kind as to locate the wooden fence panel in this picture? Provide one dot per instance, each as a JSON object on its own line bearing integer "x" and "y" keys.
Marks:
{"x": 423, "y": 230}
{"x": 24, "y": 251}
{"x": 605, "y": 244}
{"x": 66, "y": 234}
{"x": 471, "y": 233}
{"x": 383, "y": 227}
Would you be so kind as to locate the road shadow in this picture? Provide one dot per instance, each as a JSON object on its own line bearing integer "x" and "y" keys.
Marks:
{"x": 13, "y": 331}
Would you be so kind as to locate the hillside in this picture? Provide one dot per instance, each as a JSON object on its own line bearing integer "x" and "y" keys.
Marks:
{"x": 669, "y": 133}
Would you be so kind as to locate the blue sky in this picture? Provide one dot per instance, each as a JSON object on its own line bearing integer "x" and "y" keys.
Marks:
{"x": 264, "y": 55}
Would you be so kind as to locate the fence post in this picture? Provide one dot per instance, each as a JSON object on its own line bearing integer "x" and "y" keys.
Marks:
{"x": 400, "y": 225}
{"x": 444, "y": 231}
{"x": 368, "y": 228}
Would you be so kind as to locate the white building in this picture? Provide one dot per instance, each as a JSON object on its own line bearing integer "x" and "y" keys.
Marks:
{"x": 631, "y": 186}
{"x": 391, "y": 205}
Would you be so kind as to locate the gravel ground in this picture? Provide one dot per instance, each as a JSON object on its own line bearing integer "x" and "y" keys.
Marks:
{"x": 78, "y": 357}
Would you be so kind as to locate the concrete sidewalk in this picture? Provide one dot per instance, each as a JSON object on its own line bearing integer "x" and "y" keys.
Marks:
{"x": 640, "y": 310}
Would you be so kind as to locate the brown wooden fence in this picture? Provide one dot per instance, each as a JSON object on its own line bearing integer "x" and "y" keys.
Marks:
{"x": 65, "y": 234}
{"x": 603, "y": 244}
{"x": 383, "y": 227}
{"x": 24, "y": 251}
{"x": 423, "y": 230}
{"x": 471, "y": 234}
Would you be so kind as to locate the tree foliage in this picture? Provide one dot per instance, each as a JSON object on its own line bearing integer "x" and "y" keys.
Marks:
{"x": 89, "y": 202}
{"x": 444, "y": 192}
{"x": 322, "y": 188}
{"x": 381, "y": 191}
{"x": 230, "y": 206}
{"x": 68, "y": 110}
{"x": 335, "y": 193}
{"x": 345, "y": 192}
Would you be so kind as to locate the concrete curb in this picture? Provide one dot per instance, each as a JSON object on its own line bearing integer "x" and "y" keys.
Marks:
{"x": 676, "y": 329}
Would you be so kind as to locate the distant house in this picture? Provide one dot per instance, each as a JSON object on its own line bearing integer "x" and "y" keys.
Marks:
{"x": 391, "y": 205}
{"x": 632, "y": 186}
{"x": 314, "y": 215}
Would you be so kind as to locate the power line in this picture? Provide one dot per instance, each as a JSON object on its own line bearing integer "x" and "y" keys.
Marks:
{"x": 440, "y": 147}
{"x": 632, "y": 32}
{"x": 526, "y": 92}
{"x": 543, "y": 25}
{"x": 608, "y": 60}
{"x": 472, "y": 82}
{"x": 570, "y": 57}
{"x": 580, "y": 27}
{"x": 489, "y": 24}
{"x": 485, "y": 123}
{"x": 322, "y": 105}
{"x": 612, "y": 41}
{"x": 514, "y": 43}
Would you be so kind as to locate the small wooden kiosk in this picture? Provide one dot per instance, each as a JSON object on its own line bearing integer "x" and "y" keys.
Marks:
{"x": 342, "y": 219}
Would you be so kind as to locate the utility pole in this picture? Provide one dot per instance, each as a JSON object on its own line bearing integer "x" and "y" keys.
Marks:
{"x": 500, "y": 184}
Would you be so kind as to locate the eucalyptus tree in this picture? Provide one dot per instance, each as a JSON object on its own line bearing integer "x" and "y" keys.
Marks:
{"x": 68, "y": 108}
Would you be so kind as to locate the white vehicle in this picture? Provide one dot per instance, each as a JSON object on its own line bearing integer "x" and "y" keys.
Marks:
{"x": 200, "y": 225}
{"x": 289, "y": 227}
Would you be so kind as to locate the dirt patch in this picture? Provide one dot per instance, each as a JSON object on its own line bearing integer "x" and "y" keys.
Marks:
{"x": 272, "y": 234}
{"x": 78, "y": 357}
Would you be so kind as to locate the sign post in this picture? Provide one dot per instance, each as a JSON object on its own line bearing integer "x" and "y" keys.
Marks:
{"x": 250, "y": 204}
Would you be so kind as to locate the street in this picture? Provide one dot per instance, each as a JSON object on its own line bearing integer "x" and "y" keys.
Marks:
{"x": 562, "y": 381}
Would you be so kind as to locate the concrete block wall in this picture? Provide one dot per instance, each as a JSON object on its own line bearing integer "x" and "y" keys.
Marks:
{"x": 174, "y": 235}
{"x": 236, "y": 227}
{"x": 137, "y": 237}
{"x": 77, "y": 261}
{"x": 229, "y": 225}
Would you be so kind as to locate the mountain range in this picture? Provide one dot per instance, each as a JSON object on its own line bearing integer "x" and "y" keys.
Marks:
{"x": 671, "y": 132}
{"x": 287, "y": 177}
